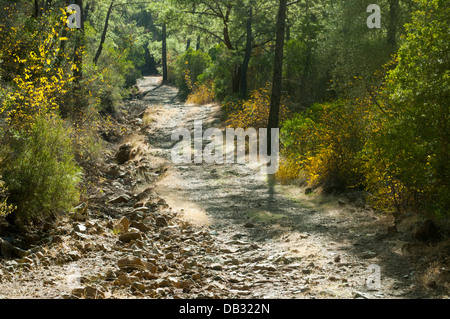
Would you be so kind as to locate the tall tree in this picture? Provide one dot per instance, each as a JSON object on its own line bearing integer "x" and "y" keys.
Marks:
{"x": 78, "y": 63}
{"x": 248, "y": 53}
{"x": 164, "y": 52}
{"x": 393, "y": 22}
{"x": 275, "y": 99}
{"x": 103, "y": 37}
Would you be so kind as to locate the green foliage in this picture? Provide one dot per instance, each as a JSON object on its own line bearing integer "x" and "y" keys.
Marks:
{"x": 414, "y": 142}
{"x": 346, "y": 48}
{"x": 187, "y": 68}
{"x": 221, "y": 69}
{"x": 107, "y": 82}
{"x": 254, "y": 112}
{"x": 39, "y": 169}
{"x": 324, "y": 142}
{"x": 5, "y": 208}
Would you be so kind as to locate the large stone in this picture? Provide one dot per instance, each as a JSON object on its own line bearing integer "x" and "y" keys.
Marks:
{"x": 144, "y": 194}
{"x": 160, "y": 221}
{"x": 123, "y": 280}
{"x": 138, "y": 286}
{"x": 151, "y": 267}
{"x": 141, "y": 226}
{"x": 135, "y": 263}
{"x": 121, "y": 199}
{"x": 79, "y": 236}
{"x": 187, "y": 264}
{"x": 89, "y": 293}
{"x": 74, "y": 255}
{"x": 131, "y": 263}
{"x": 123, "y": 155}
{"x": 79, "y": 217}
{"x": 142, "y": 209}
{"x": 426, "y": 231}
{"x": 216, "y": 266}
{"x": 8, "y": 250}
{"x": 80, "y": 228}
{"x": 122, "y": 224}
{"x": 127, "y": 237}
{"x": 114, "y": 172}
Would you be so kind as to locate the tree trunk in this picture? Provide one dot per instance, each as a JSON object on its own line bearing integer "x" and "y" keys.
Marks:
{"x": 78, "y": 63}
{"x": 393, "y": 20}
{"x": 226, "y": 31}
{"x": 37, "y": 9}
{"x": 103, "y": 37}
{"x": 86, "y": 11}
{"x": 236, "y": 79}
{"x": 164, "y": 52}
{"x": 198, "y": 43}
{"x": 248, "y": 54}
{"x": 277, "y": 74}
{"x": 79, "y": 43}
{"x": 188, "y": 44}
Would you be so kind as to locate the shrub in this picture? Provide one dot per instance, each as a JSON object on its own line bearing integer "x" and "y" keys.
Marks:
{"x": 5, "y": 208}
{"x": 39, "y": 169}
{"x": 253, "y": 112}
{"x": 202, "y": 93}
{"x": 324, "y": 143}
{"x": 187, "y": 68}
{"x": 407, "y": 158}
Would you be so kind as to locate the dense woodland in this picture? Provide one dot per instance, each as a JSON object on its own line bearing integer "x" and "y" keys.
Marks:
{"x": 358, "y": 108}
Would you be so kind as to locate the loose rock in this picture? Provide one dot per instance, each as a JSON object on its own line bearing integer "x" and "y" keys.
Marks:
{"x": 160, "y": 221}
{"x": 128, "y": 237}
{"x": 120, "y": 199}
{"x": 123, "y": 155}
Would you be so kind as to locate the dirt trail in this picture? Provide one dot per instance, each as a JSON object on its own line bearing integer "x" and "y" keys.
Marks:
{"x": 304, "y": 246}
{"x": 153, "y": 229}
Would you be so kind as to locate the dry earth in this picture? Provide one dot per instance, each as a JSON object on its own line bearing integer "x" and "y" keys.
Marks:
{"x": 159, "y": 230}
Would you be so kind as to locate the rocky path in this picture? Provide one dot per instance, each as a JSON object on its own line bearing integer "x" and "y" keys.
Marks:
{"x": 159, "y": 230}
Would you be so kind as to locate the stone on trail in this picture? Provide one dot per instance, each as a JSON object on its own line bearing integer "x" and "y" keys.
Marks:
{"x": 138, "y": 286}
{"x": 360, "y": 295}
{"x": 122, "y": 224}
{"x": 135, "y": 263}
{"x": 121, "y": 199}
{"x": 80, "y": 228}
{"x": 160, "y": 221}
{"x": 216, "y": 266}
{"x": 77, "y": 216}
{"x": 128, "y": 237}
{"x": 122, "y": 280}
{"x": 88, "y": 292}
{"x": 141, "y": 226}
